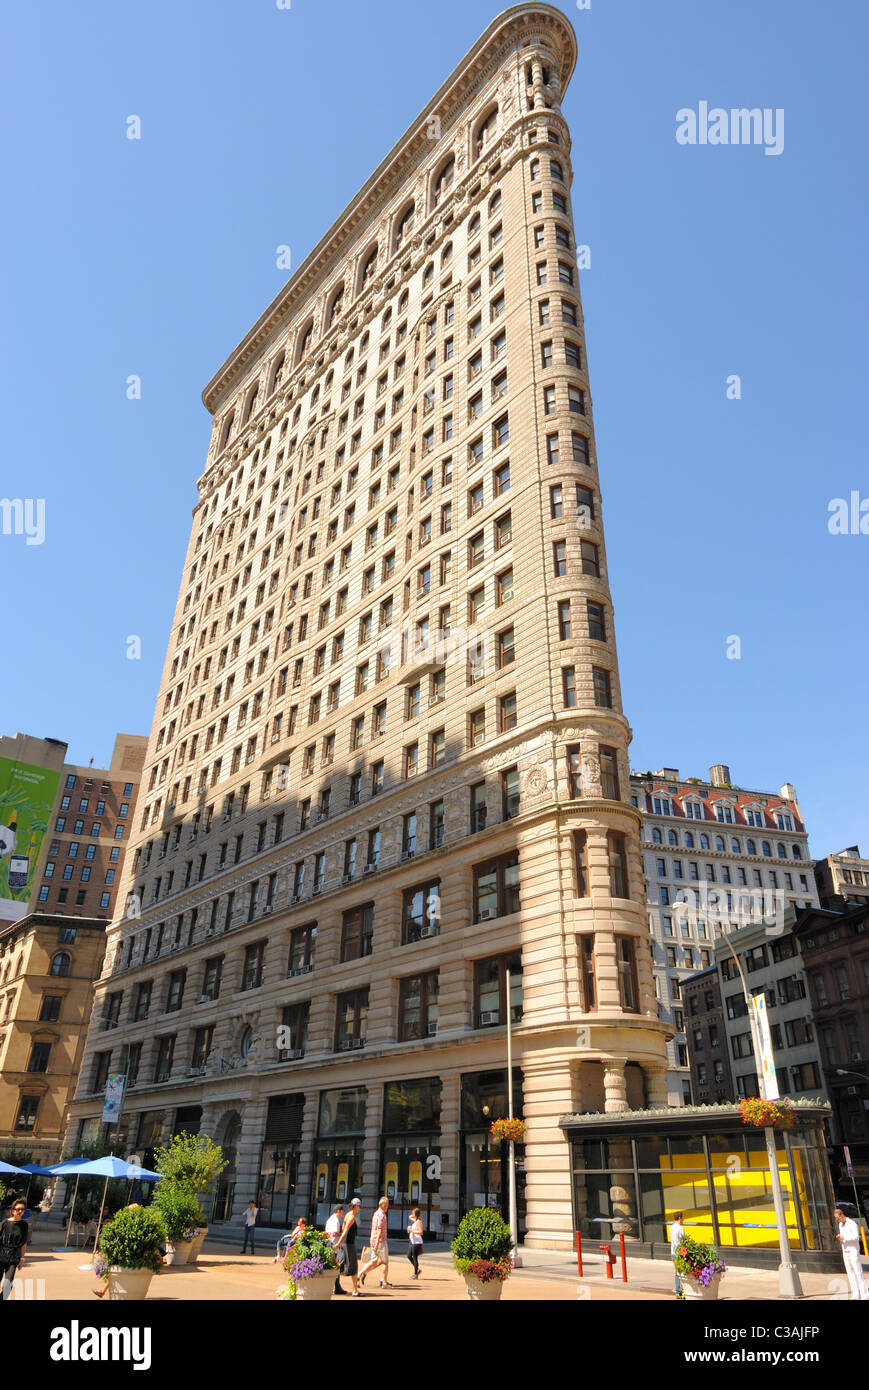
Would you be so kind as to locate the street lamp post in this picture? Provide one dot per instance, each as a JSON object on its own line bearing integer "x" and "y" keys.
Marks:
{"x": 788, "y": 1276}
{"x": 841, "y": 1071}
{"x": 511, "y": 1181}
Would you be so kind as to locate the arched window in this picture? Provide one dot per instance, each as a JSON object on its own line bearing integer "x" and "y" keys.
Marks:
{"x": 486, "y": 132}
{"x": 447, "y": 254}
{"x": 672, "y": 837}
{"x": 704, "y": 841}
{"x": 403, "y": 302}
{"x": 405, "y": 227}
{"x": 734, "y": 847}
{"x": 336, "y": 306}
{"x": 767, "y": 849}
{"x": 656, "y": 836}
{"x": 444, "y": 180}
{"x": 251, "y": 404}
{"x": 278, "y": 371}
{"x": 750, "y": 847}
{"x": 719, "y": 843}
{"x": 60, "y": 964}
{"x": 227, "y": 428}
{"x": 369, "y": 266}
{"x": 305, "y": 341}
{"x": 796, "y": 852}
{"x": 428, "y": 273}
{"x": 689, "y": 840}
{"x": 781, "y": 851}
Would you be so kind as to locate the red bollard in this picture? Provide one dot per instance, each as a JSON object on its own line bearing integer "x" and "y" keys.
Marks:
{"x": 579, "y": 1254}
{"x": 624, "y": 1261}
{"x": 609, "y": 1260}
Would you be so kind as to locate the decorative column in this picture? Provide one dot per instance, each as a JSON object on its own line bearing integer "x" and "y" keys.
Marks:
{"x": 253, "y": 1128}
{"x": 304, "y": 1203}
{"x": 449, "y": 1197}
{"x": 549, "y": 1091}
{"x": 657, "y": 1092}
{"x": 615, "y": 1087}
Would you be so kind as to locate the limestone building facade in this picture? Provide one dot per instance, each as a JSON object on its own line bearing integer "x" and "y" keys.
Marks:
{"x": 388, "y": 766}
{"x": 738, "y": 856}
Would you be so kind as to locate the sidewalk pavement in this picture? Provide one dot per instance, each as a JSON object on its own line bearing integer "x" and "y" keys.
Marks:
{"x": 545, "y": 1275}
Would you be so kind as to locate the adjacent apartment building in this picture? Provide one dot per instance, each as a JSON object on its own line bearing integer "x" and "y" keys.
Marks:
{"x": 843, "y": 879}
{"x": 51, "y": 955}
{"x": 737, "y": 851}
{"x": 386, "y": 802}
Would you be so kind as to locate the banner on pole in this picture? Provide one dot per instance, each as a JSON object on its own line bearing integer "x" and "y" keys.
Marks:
{"x": 114, "y": 1098}
{"x": 765, "y": 1054}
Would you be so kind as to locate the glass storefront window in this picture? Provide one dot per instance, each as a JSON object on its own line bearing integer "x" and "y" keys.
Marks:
{"x": 342, "y": 1111}
{"x": 279, "y": 1171}
{"x": 337, "y": 1175}
{"x": 411, "y": 1165}
{"x": 484, "y": 1161}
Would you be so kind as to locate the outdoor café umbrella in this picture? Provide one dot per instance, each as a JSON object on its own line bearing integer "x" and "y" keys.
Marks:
{"x": 34, "y": 1170}
{"x": 112, "y": 1167}
{"x": 10, "y": 1168}
{"x": 66, "y": 1169}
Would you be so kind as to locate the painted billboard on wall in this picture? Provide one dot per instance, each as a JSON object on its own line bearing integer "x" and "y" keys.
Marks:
{"x": 27, "y": 796}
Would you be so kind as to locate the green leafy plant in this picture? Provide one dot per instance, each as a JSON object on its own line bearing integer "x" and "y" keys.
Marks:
{"x": 134, "y": 1239}
{"x": 695, "y": 1260}
{"x": 2, "y": 1194}
{"x": 179, "y": 1209}
{"x": 191, "y": 1160}
{"x": 482, "y": 1245}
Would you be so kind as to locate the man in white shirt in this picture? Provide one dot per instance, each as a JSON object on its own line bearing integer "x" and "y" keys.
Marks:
{"x": 249, "y": 1219}
{"x": 333, "y": 1231}
{"x": 849, "y": 1239}
{"x": 677, "y": 1235}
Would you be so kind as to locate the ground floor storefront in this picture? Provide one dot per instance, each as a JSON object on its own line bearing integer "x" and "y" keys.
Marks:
{"x": 633, "y": 1172}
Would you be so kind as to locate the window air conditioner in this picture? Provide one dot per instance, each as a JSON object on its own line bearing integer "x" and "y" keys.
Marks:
{"x": 204, "y": 999}
{"x": 357, "y": 1042}
{"x": 429, "y": 930}
{"x": 486, "y": 912}
{"x": 296, "y": 898}
{"x": 344, "y": 1045}
{"x": 369, "y": 868}
{"x": 488, "y": 1016}
{"x": 432, "y": 1029}
{"x": 267, "y": 908}
{"x": 289, "y": 1054}
{"x": 347, "y": 878}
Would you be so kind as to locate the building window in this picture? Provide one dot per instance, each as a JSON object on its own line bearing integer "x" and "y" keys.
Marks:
{"x": 580, "y": 855}
{"x": 609, "y": 773}
{"x": 165, "y": 1057}
{"x": 303, "y": 941}
{"x": 252, "y": 968}
{"x": 60, "y": 964}
{"x": 357, "y": 929}
{"x": 418, "y": 1007}
{"x": 27, "y": 1109}
{"x": 351, "y": 1020}
{"x": 618, "y": 865}
{"x": 628, "y": 991}
{"x": 490, "y": 990}
{"x": 496, "y": 887}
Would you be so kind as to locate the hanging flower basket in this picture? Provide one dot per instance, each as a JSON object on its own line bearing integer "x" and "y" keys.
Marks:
{"x": 767, "y": 1113}
{"x": 508, "y": 1129}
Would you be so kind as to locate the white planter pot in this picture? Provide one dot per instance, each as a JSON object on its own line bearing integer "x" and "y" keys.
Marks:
{"x": 477, "y": 1290}
{"x": 318, "y": 1288}
{"x": 178, "y": 1252}
{"x": 692, "y": 1288}
{"x": 196, "y": 1245}
{"x": 128, "y": 1283}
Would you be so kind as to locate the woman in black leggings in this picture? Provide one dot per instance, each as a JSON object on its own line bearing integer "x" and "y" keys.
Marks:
{"x": 347, "y": 1238}
{"x": 414, "y": 1249}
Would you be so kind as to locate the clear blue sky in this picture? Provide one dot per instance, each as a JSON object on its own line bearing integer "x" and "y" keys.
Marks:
{"x": 258, "y": 125}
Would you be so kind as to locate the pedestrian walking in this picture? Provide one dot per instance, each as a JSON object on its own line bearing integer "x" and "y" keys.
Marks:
{"x": 14, "y": 1233}
{"x": 414, "y": 1237}
{"x": 333, "y": 1230}
{"x": 677, "y": 1235}
{"x": 45, "y": 1204}
{"x": 379, "y": 1244}
{"x": 849, "y": 1239}
{"x": 347, "y": 1242}
{"x": 250, "y": 1216}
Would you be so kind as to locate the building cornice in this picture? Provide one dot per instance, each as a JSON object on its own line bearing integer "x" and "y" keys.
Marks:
{"x": 515, "y": 25}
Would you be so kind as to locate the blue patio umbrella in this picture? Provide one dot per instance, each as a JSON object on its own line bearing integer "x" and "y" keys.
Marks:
{"x": 112, "y": 1167}
{"x": 36, "y": 1171}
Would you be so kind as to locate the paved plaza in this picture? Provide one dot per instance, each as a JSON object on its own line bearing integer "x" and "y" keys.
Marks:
{"x": 546, "y": 1276}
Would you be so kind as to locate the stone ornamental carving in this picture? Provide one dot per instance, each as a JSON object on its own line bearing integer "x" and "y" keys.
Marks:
{"x": 536, "y": 782}
{"x": 591, "y": 784}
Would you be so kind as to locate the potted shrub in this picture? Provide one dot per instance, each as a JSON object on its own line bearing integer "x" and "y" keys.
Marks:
{"x": 481, "y": 1253}
{"x": 193, "y": 1161}
{"x": 311, "y": 1267}
{"x": 182, "y": 1216}
{"x": 131, "y": 1251}
{"x": 700, "y": 1268}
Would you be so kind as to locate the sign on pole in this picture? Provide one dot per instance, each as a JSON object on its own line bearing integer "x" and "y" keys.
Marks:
{"x": 765, "y": 1054}
{"x": 114, "y": 1098}
{"x": 848, "y": 1164}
